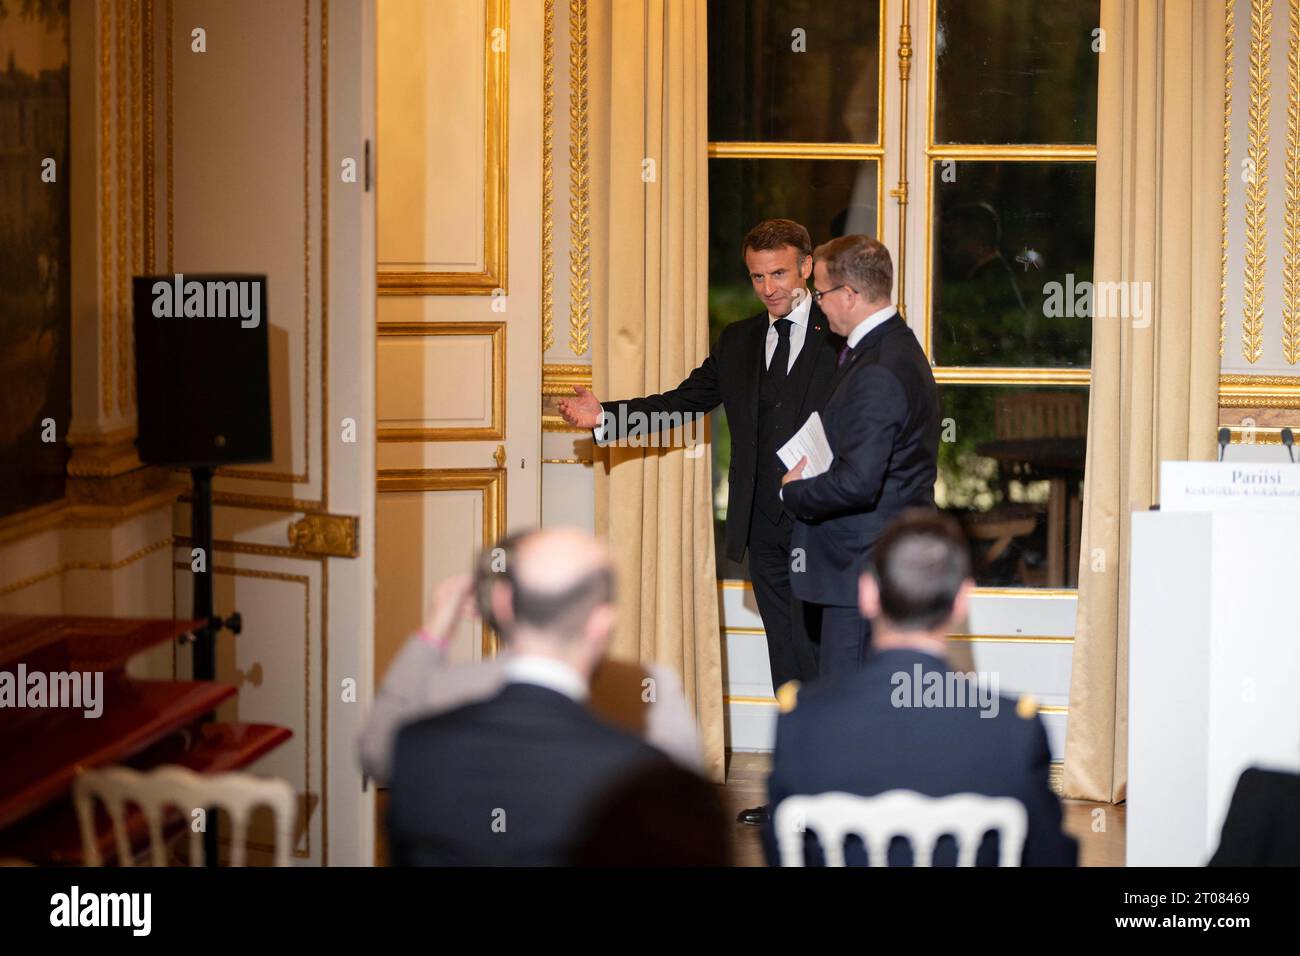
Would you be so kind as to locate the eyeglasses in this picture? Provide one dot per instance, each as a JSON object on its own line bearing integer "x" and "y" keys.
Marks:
{"x": 817, "y": 296}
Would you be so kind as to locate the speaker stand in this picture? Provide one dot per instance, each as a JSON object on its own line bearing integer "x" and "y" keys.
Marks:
{"x": 204, "y": 651}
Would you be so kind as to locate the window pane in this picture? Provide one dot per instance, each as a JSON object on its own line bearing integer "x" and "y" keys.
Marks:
{"x": 1011, "y": 471}
{"x": 768, "y": 82}
{"x": 1015, "y": 71}
{"x": 1012, "y": 242}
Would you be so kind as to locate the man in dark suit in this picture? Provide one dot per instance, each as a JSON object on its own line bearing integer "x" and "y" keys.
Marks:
{"x": 1262, "y": 827}
{"x": 770, "y": 372}
{"x": 517, "y": 779}
{"x": 882, "y": 424}
{"x": 904, "y": 722}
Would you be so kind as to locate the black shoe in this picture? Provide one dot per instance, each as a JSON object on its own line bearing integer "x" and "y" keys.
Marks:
{"x": 754, "y": 816}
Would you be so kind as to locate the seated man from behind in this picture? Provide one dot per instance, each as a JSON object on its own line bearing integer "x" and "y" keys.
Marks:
{"x": 885, "y": 728}
{"x": 513, "y": 780}
{"x": 644, "y": 699}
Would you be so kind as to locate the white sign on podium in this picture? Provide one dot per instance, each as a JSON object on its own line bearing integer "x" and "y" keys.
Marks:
{"x": 1214, "y": 650}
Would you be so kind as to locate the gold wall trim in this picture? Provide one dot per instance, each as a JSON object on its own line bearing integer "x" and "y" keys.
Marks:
{"x": 579, "y": 183}
{"x": 1256, "y": 217}
{"x": 227, "y": 546}
{"x": 560, "y": 379}
{"x": 555, "y": 423}
{"x": 171, "y": 141}
{"x": 900, "y": 191}
{"x": 1046, "y": 710}
{"x": 1070, "y": 593}
{"x": 325, "y": 535}
{"x": 548, "y": 175}
{"x": 496, "y": 206}
{"x": 1011, "y": 152}
{"x": 1228, "y": 47}
{"x": 1011, "y": 638}
{"x": 123, "y": 279}
{"x": 981, "y": 375}
{"x": 230, "y": 499}
{"x": 490, "y": 481}
{"x": 105, "y": 290}
{"x": 1291, "y": 203}
{"x": 496, "y": 331}
{"x": 1259, "y": 391}
{"x": 567, "y": 461}
{"x": 147, "y": 154}
{"x": 743, "y": 150}
{"x": 736, "y": 584}
{"x": 67, "y": 566}
{"x": 1258, "y": 436}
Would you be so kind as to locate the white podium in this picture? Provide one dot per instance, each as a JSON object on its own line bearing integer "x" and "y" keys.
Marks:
{"x": 1214, "y": 650}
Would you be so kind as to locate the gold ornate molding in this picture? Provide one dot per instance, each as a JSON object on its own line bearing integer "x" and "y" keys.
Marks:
{"x": 579, "y": 183}
{"x": 560, "y": 379}
{"x": 491, "y": 482}
{"x": 548, "y": 175}
{"x": 1252, "y": 320}
{"x": 1259, "y": 391}
{"x": 494, "y": 431}
{"x": 325, "y": 535}
{"x": 900, "y": 191}
{"x": 994, "y": 375}
{"x": 496, "y": 206}
{"x": 1291, "y": 207}
{"x": 1228, "y": 48}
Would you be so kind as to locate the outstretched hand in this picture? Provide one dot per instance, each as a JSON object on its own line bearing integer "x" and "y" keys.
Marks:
{"x": 583, "y": 411}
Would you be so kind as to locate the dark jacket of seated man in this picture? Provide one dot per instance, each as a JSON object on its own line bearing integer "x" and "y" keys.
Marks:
{"x": 510, "y": 781}
{"x": 1262, "y": 827}
{"x": 851, "y": 736}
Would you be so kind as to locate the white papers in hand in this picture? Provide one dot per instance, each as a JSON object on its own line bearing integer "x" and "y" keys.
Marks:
{"x": 808, "y": 441}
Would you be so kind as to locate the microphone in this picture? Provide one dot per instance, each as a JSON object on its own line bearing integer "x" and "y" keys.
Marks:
{"x": 1288, "y": 439}
{"x": 1225, "y": 436}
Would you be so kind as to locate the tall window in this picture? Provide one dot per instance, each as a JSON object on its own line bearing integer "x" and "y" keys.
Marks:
{"x": 1004, "y": 170}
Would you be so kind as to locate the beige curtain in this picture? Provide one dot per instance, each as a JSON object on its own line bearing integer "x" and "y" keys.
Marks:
{"x": 1154, "y": 388}
{"x": 649, "y": 266}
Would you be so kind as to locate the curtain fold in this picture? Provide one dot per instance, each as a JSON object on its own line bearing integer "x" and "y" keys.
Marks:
{"x": 649, "y": 282}
{"x": 1154, "y": 397}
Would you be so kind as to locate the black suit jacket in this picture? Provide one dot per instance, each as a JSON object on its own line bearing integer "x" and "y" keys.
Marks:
{"x": 850, "y": 736}
{"x": 882, "y": 423}
{"x": 1262, "y": 827}
{"x": 513, "y": 780}
{"x": 730, "y": 376}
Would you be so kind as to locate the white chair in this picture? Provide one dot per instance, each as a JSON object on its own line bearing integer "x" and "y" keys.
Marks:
{"x": 153, "y": 792}
{"x": 921, "y": 819}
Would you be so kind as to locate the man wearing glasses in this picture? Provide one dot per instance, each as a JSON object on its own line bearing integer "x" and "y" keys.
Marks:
{"x": 770, "y": 372}
{"x": 882, "y": 424}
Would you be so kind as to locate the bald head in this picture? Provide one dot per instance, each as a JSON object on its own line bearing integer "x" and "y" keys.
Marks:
{"x": 550, "y": 583}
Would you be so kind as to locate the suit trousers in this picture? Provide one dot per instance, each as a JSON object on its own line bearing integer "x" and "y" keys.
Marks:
{"x": 845, "y": 637}
{"x": 788, "y": 622}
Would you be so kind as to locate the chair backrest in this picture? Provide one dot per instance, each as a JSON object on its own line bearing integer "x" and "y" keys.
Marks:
{"x": 1040, "y": 415}
{"x": 170, "y": 786}
{"x": 877, "y": 820}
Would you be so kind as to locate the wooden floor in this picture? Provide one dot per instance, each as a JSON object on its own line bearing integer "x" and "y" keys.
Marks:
{"x": 746, "y": 786}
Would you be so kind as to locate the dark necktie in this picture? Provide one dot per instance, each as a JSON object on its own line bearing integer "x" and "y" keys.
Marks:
{"x": 844, "y": 354}
{"x": 781, "y": 357}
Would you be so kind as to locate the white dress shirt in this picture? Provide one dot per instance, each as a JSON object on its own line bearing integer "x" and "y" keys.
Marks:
{"x": 866, "y": 325}
{"x": 798, "y": 331}
{"x": 546, "y": 672}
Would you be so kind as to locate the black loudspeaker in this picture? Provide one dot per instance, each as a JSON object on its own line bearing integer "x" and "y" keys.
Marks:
{"x": 202, "y": 370}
